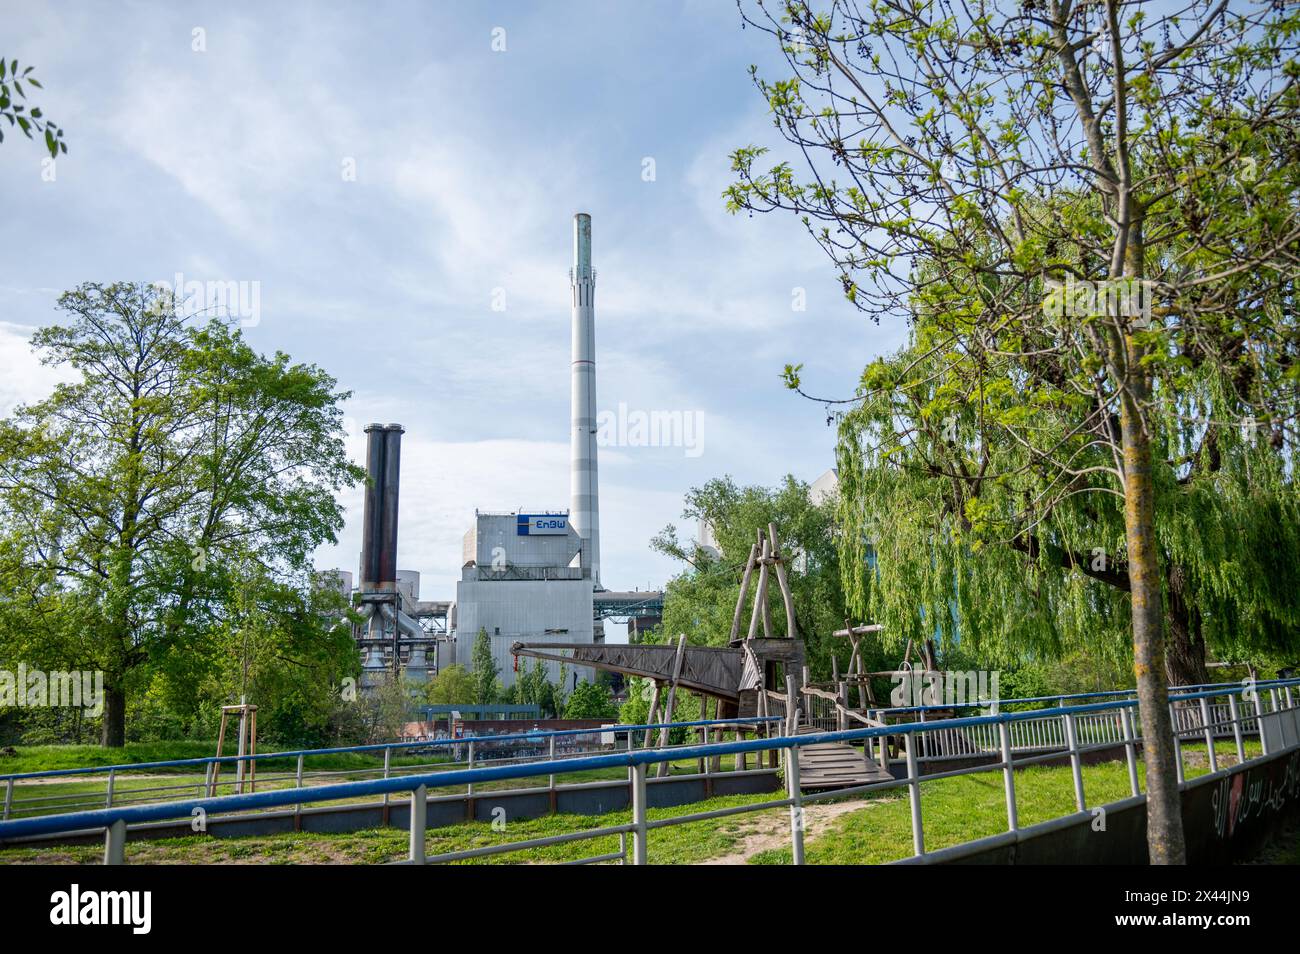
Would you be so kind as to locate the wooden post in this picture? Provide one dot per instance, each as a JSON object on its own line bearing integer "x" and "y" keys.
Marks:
{"x": 744, "y": 591}
{"x": 650, "y": 718}
{"x": 760, "y": 594}
{"x": 672, "y": 699}
{"x": 768, "y": 630}
{"x": 779, "y": 563}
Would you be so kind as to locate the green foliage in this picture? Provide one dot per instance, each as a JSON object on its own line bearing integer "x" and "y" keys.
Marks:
{"x": 1017, "y": 584}
{"x": 158, "y": 516}
{"x": 533, "y": 688}
{"x": 997, "y": 158}
{"x": 701, "y": 600}
{"x": 454, "y": 685}
{"x": 27, "y": 120}
{"x": 486, "y": 687}
{"x": 590, "y": 700}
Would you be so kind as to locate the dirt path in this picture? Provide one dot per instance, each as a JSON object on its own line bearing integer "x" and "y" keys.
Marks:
{"x": 772, "y": 830}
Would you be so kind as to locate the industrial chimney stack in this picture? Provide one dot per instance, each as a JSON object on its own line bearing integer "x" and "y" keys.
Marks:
{"x": 584, "y": 497}
{"x": 379, "y": 521}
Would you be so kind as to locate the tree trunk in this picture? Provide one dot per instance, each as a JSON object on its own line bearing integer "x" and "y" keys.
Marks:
{"x": 1164, "y": 804}
{"x": 113, "y": 733}
{"x": 1185, "y": 646}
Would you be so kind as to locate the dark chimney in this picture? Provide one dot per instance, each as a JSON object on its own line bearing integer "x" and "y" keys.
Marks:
{"x": 379, "y": 520}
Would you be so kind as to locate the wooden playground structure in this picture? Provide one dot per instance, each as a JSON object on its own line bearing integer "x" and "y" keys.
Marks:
{"x": 759, "y": 674}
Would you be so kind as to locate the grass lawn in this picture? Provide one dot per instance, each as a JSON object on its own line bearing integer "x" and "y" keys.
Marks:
{"x": 955, "y": 810}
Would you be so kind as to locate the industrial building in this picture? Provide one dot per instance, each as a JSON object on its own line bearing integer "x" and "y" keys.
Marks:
{"x": 532, "y": 576}
{"x": 525, "y": 577}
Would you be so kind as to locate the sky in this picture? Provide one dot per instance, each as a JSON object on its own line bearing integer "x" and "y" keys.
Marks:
{"x": 393, "y": 185}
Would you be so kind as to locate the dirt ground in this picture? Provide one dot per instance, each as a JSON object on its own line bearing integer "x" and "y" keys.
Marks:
{"x": 772, "y": 829}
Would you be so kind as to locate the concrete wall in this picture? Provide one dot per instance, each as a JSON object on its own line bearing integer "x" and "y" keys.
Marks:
{"x": 522, "y": 610}
{"x": 496, "y": 537}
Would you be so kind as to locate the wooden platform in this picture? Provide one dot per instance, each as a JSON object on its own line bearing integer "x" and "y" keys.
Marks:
{"x": 836, "y": 765}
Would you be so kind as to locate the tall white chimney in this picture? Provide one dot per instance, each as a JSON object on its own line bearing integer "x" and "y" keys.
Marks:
{"x": 584, "y": 497}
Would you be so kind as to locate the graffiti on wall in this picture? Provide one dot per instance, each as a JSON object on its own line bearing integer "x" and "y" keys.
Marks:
{"x": 1256, "y": 793}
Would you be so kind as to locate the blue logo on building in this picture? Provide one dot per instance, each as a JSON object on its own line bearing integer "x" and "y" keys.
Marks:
{"x": 529, "y": 524}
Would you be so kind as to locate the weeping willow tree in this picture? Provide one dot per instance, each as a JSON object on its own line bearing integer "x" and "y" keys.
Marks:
{"x": 967, "y": 160}
{"x": 964, "y": 546}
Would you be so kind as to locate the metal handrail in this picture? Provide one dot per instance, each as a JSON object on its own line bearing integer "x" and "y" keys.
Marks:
{"x": 379, "y": 747}
{"x": 1174, "y": 691}
{"x": 114, "y": 820}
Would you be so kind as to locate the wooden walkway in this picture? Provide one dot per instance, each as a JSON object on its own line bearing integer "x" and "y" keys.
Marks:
{"x": 835, "y": 765}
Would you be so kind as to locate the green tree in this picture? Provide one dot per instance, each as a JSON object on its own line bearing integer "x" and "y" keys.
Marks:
{"x": 533, "y": 688}
{"x": 590, "y": 700}
{"x": 486, "y": 687}
{"x": 701, "y": 600}
{"x": 284, "y": 646}
{"x": 453, "y": 686}
{"x": 180, "y": 477}
{"x": 1015, "y": 584}
{"x": 967, "y": 162}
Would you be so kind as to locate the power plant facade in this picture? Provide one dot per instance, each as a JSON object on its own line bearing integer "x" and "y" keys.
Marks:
{"x": 525, "y": 577}
{"x": 522, "y": 582}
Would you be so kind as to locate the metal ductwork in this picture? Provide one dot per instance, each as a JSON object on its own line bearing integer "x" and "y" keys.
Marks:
{"x": 379, "y": 521}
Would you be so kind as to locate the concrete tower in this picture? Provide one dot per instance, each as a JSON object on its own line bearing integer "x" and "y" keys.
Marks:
{"x": 584, "y": 497}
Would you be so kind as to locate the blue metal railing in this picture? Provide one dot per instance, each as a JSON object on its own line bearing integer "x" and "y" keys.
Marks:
{"x": 1175, "y": 692}
{"x": 379, "y": 747}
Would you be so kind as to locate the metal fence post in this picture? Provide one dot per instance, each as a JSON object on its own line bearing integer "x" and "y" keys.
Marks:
{"x": 638, "y": 815}
{"x": 297, "y": 809}
{"x": 419, "y": 816}
{"x": 550, "y": 782}
{"x": 112, "y": 780}
{"x": 388, "y": 758}
{"x": 1234, "y": 715}
{"x": 469, "y": 789}
{"x": 1130, "y": 749}
{"x": 1259, "y": 720}
{"x": 1178, "y": 742}
{"x": 1211, "y": 754}
{"x": 796, "y": 804}
{"x": 914, "y": 796}
{"x": 9, "y": 797}
{"x": 1008, "y": 776}
{"x": 1076, "y": 764}
{"x": 115, "y": 843}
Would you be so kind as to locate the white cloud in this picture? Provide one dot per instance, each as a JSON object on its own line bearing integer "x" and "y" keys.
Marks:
{"x": 25, "y": 379}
